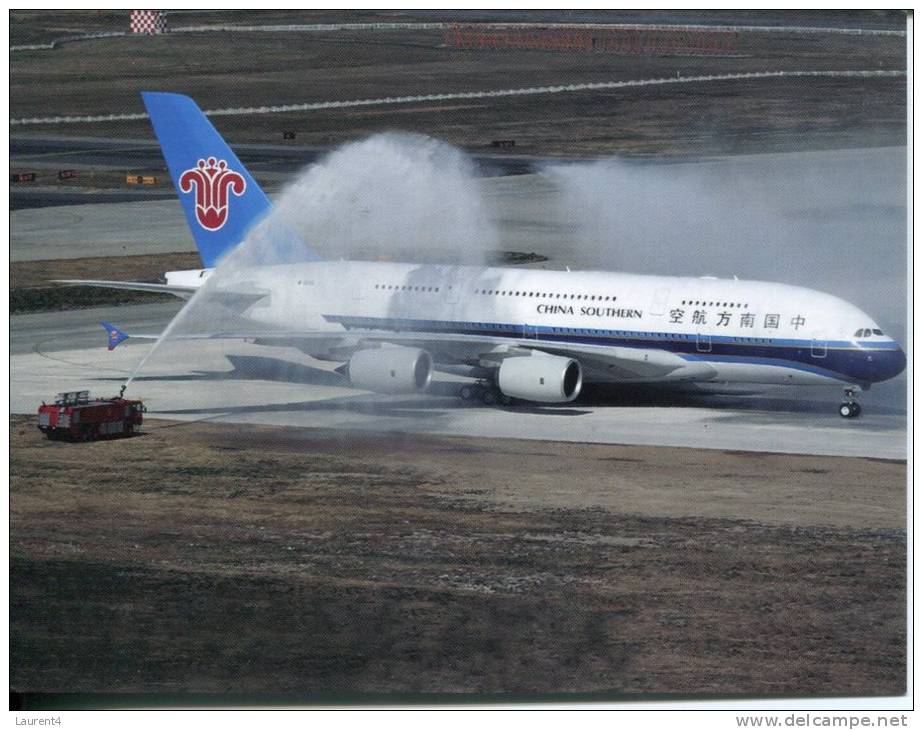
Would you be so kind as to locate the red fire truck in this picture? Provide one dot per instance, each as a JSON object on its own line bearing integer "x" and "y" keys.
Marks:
{"x": 75, "y": 417}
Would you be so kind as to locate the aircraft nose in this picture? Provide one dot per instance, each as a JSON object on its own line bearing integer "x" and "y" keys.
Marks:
{"x": 890, "y": 363}
{"x": 898, "y": 362}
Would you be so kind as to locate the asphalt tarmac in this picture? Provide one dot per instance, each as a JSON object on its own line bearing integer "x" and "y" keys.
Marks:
{"x": 241, "y": 383}
{"x": 270, "y": 164}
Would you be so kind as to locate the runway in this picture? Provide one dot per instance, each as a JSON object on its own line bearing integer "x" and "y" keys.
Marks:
{"x": 748, "y": 216}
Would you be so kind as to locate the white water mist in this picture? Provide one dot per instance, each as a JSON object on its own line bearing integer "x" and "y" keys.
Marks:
{"x": 829, "y": 220}
{"x": 394, "y": 196}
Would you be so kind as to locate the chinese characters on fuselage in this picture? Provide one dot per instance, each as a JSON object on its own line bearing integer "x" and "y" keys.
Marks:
{"x": 747, "y": 320}
{"x": 724, "y": 318}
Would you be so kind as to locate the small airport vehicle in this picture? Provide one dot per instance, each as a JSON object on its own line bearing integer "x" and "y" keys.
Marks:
{"x": 75, "y": 417}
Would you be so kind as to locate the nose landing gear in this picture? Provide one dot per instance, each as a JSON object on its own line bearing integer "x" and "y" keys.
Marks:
{"x": 850, "y": 407}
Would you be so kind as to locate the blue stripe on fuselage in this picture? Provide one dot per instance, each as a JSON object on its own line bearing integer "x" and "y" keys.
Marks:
{"x": 842, "y": 360}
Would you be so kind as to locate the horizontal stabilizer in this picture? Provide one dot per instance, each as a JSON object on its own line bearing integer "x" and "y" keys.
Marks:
{"x": 115, "y": 335}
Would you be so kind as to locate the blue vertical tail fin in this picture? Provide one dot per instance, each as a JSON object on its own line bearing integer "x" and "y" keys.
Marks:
{"x": 220, "y": 198}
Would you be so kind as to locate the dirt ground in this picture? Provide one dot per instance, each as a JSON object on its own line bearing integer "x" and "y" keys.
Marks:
{"x": 31, "y": 289}
{"x": 211, "y": 558}
{"x": 255, "y": 69}
{"x": 26, "y": 274}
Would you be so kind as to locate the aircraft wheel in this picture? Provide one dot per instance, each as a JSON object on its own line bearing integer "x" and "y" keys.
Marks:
{"x": 849, "y": 410}
{"x": 505, "y": 399}
{"x": 489, "y": 398}
{"x": 467, "y": 393}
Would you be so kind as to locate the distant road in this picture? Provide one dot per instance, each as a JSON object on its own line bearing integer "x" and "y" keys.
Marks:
{"x": 109, "y": 152}
{"x": 91, "y": 151}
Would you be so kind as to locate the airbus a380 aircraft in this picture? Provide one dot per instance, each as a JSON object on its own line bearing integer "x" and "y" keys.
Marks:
{"x": 528, "y": 334}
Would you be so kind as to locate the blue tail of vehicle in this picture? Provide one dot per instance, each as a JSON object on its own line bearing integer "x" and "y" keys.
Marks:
{"x": 221, "y": 199}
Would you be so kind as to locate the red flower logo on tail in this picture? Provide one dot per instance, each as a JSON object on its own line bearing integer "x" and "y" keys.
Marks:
{"x": 212, "y": 180}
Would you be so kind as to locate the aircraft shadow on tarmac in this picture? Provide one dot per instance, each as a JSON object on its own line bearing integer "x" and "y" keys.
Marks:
{"x": 652, "y": 396}
{"x": 255, "y": 367}
{"x": 767, "y": 399}
{"x": 441, "y": 394}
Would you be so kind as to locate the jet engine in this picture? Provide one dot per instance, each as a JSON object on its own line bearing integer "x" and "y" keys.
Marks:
{"x": 391, "y": 370}
{"x": 541, "y": 378}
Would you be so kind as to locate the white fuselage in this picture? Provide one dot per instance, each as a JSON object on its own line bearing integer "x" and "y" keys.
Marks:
{"x": 747, "y": 331}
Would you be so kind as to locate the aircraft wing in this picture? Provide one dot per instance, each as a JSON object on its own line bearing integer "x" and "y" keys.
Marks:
{"x": 235, "y": 300}
{"x": 601, "y": 363}
{"x": 183, "y": 292}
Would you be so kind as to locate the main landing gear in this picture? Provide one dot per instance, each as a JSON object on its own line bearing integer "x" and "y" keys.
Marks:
{"x": 485, "y": 392}
{"x": 850, "y": 407}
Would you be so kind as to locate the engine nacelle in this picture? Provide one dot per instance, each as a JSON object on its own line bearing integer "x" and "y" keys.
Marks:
{"x": 541, "y": 378}
{"x": 391, "y": 370}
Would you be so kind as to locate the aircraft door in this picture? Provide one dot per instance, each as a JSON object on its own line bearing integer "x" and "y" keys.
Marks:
{"x": 530, "y": 332}
{"x": 659, "y": 302}
{"x": 818, "y": 346}
{"x": 702, "y": 342}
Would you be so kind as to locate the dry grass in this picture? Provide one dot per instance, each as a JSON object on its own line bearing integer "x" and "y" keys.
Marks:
{"x": 28, "y": 274}
{"x": 209, "y": 557}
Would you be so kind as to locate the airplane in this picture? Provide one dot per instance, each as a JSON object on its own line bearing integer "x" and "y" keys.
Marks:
{"x": 525, "y": 334}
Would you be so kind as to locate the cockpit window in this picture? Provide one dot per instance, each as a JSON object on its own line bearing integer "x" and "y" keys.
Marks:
{"x": 858, "y": 333}
{"x": 877, "y": 332}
